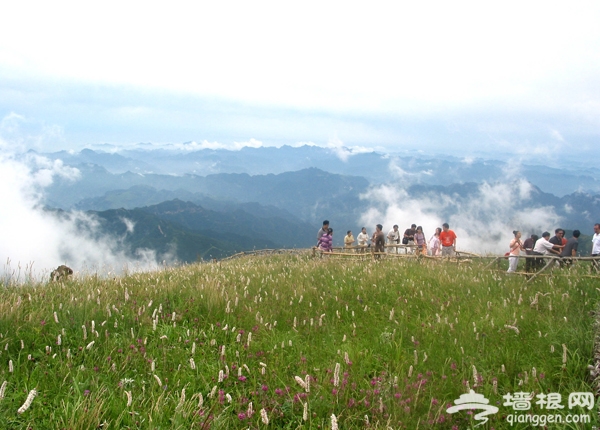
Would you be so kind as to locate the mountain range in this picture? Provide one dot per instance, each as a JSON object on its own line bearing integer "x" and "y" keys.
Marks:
{"x": 212, "y": 215}
{"x": 376, "y": 167}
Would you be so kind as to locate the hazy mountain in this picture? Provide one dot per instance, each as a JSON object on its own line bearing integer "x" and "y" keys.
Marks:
{"x": 167, "y": 239}
{"x": 374, "y": 166}
{"x": 307, "y": 196}
{"x": 237, "y": 223}
{"x": 189, "y": 232}
{"x": 311, "y": 195}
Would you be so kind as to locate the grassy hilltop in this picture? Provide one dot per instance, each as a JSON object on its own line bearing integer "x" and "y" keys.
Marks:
{"x": 292, "y": 340}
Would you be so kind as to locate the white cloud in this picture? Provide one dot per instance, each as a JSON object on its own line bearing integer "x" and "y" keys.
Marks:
{"x": 400, "y": 174}
{"x": 41, "y": 240}
{"x": 234, "y": 146}
{"x": 129, "y": 224}
{"x": 483, "y": 222}
{"x": 338, "y": 58}
{"x": 338, "y": 148}
{"x": 18, "y": 133}
{"x": 555, "y": 134}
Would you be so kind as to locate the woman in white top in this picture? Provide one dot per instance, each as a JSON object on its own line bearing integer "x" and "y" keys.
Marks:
{"x": 435, "y": 246}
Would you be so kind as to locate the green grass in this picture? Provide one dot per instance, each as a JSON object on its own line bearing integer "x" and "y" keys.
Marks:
{"x": 406, "y": 336}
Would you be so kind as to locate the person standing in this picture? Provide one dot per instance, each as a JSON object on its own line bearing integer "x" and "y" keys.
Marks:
{"x": 363, "y": 238}
{"x": 544, "y": 247}
{"x": 323, "y": 230}
{"x": 448, "y": 240}
{"x": 435, "y": 246}
{"x": 515, "y": 248}
{"x": 558, "y": 240}
{"x": 570, "y": 249}
{"x": 378, "y": 239}
{"x": 528, "y": 247}
{"x": 409, "y": 238}
{"x": 420, "y": 241}
{"x": 349, "y": 240}
{"x": 393, "y": 238}
{"x": 596, "y": 246}
{"x": 326, "y": 241}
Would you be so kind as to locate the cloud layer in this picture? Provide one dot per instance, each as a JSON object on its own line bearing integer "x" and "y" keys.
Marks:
{"x": 36, "y": 240}
{"x": 483, "y": 222}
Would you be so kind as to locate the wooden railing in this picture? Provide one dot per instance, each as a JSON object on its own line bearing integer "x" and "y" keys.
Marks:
{"x": 542, "y": 263}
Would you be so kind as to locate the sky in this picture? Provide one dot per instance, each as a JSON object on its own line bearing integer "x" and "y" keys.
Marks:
{"x": 467, "y": 78}
{"x": 518, "y": 81}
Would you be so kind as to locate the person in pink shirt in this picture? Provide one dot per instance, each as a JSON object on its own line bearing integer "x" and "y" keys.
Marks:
{"x": 326, "y": 241}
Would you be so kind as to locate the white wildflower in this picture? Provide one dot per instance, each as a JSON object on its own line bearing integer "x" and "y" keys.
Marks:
{"x": 334, "y": 424}
{"x": 336, "y": 375}
{"x": 300, "y": 381}
{"x": 28, "y": 401}
{"x": 264, "y": 417}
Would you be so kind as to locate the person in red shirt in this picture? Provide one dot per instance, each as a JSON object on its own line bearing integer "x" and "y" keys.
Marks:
{"x": 448, "y": 240}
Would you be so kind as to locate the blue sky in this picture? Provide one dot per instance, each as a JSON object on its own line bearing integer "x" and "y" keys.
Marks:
{"x": 509, "y": 79}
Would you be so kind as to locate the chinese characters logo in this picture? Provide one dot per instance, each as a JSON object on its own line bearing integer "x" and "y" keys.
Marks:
{"x": 472, "y": 400}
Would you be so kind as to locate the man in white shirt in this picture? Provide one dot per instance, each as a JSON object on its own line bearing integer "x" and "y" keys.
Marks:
{"x": 596, "y": 246}
{"x": 393, "y": 238}
{"x": 543, "y": 247}
{"x": 362, "y": 238}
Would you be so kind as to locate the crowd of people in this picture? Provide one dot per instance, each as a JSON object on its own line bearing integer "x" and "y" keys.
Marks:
{"x": 556, "y": 245}
{"x": 441, "y": 243}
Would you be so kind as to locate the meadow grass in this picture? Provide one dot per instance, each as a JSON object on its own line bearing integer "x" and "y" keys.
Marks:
{"x": 291, "y": 340}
